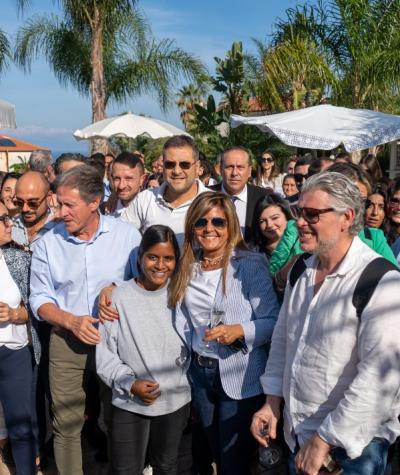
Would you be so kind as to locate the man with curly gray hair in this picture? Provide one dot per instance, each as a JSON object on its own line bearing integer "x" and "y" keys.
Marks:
{"x": 335, "y": 347}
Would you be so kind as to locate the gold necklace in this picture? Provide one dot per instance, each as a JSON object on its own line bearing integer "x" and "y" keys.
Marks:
{"x": 206, "y": 262}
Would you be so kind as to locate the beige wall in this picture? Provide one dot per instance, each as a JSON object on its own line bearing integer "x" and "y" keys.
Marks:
{"x": 12, "y": 158}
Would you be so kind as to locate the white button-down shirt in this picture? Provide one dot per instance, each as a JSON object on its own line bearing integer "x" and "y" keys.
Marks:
{"x": 150, "y": 207}
{"x": 240, "y": 202}
{"x": 339, "y": 376}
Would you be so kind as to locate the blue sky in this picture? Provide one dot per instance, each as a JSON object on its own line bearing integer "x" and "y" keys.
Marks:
{"x": 47, "y": 113}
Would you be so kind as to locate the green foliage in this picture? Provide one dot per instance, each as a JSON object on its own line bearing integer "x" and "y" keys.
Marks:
{"x": 134, "y": 62}
{"x": 21, "y": 167}
{"x": 230, "y": 79}
{"x": 5, "y": 51}
{"x": 151, "y": 148}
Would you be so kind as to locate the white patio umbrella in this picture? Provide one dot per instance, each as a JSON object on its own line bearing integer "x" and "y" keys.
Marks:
{"x": 7, "y": 115}
{"x": 128, "y": 125}
{"x": 325, "y": 127}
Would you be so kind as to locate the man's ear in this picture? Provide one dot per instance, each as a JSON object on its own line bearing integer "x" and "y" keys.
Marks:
{"x": 94, "y": 205}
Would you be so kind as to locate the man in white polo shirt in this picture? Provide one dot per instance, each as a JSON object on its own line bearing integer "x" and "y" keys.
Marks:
{"x": 168, "y": 204}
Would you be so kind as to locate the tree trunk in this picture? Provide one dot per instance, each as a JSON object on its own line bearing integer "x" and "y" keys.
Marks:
{"x": 97, "y": 84}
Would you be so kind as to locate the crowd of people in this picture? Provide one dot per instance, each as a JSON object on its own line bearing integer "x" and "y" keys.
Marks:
{"x": 252, "y": 309}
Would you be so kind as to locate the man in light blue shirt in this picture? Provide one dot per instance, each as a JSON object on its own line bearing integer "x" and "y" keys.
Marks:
{"x": 71, "y": 263}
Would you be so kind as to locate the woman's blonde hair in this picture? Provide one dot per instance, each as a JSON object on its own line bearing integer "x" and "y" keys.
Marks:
{"x": 191, "y": 251}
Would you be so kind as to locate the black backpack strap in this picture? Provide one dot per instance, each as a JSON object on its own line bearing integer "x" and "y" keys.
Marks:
{"x": 368, "y": 281}
{"x": 298, "y": 268}
{"x": 367, "y": 234}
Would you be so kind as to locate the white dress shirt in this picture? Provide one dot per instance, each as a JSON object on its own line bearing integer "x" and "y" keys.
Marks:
{"x": 240, "y": 202}
{"x": 150, "y": 208}
{"x": 339, "y": 376}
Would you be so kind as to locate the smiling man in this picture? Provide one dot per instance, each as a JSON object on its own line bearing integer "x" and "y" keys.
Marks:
{"x": 127, "y": 173}
{"x": 334, "y": 353}
{"x": 32, "y": 198}
{"x": 236, "y": 171}
{"x": 168, "y": 204}
{"x": 71, "y": 263}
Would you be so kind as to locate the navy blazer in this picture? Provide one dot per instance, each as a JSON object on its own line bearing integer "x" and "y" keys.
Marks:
{"x": 249, "y": 300}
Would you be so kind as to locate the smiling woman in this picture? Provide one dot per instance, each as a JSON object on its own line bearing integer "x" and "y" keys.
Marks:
{"x": 143, "y": 360}
{"x": 271, "y": 216}
{"x": 226, "y": 310}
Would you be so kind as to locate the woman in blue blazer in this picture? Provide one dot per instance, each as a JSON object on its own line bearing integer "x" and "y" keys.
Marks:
{"x": 226, "y": 310}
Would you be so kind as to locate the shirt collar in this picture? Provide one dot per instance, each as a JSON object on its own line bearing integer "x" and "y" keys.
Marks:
{"x": 349, "y": 261}
{"x": 242, "y": 196}
{"x": 105, "y": 225}
{"x": 160, "y": 191}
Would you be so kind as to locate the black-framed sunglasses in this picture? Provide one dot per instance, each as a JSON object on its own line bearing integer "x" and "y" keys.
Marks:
{"x": 218, "y": 223}
{"x": 311, "y": 215}
{"x": 4, "y": 218}
{"x": 170, "y": 165}
{"x": 266, "y": 159}
{"x": 33, "y": 204}
{"x": 299, "y": 177}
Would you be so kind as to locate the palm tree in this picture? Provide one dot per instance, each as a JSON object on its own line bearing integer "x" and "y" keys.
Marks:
{"x": 106, "y": 49}
{"x": 187, "y": 97}
{"x": 289, "y": 72}
{"x": 5, "y": 51}
{"x": 359, "y": 40}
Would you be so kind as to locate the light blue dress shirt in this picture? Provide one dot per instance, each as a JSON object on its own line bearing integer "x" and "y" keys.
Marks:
{"x": 70, "y": 273}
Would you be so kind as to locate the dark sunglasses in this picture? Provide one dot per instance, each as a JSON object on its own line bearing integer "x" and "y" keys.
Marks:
{"x": 218, "y": 223}
{"x": 33, "y": 204}
{"x": 266, "y": 159}
{"x": 170, "y": 165}
{"x": 311, "y": 215}
{"x": 4, "y": 218}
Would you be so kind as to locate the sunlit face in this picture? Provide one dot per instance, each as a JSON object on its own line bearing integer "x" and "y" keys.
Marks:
{"x": 272, "y": 223}
{"x": 5, "y": 226}
{"x": 180, "y": 179}
{"x": 126, "y": 181}
{"x": 8, "y": 194}
{"x": 157, "y": 265}
{"x": 394, "y": 208}
{"x": 212, "y": 239}
{"x": 74, "y": 211}
{"x": 375, "y": 211}
{"x": 32, "y": 201}
{"x": 235, "y": 170}
{"x": 289, "y": 187}
{"x": 325, "y": 234}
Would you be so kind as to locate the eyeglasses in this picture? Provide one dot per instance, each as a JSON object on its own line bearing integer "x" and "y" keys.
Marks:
{"x": 33, "y": 204}
{"x": 170, "y": 165}
{"x": 218, "y": 223}
{"x": 311, "y": 215}
{"x": 266, "y": 159}
{"x": 4, "y": 218}
{"x": 394, "y": 203}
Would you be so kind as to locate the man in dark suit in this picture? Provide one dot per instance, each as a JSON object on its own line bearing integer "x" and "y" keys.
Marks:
{"x": 236, "y": 171}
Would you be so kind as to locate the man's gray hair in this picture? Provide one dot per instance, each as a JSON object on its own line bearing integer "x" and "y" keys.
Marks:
{"x": 86, "y": 180}
{"x": 39, "y": 160}
{"x": 343, "y": 193}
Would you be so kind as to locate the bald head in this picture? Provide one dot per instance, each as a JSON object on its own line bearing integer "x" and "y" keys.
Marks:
{"x": 31, "y": 196}
{"x": 34, "y": 181}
